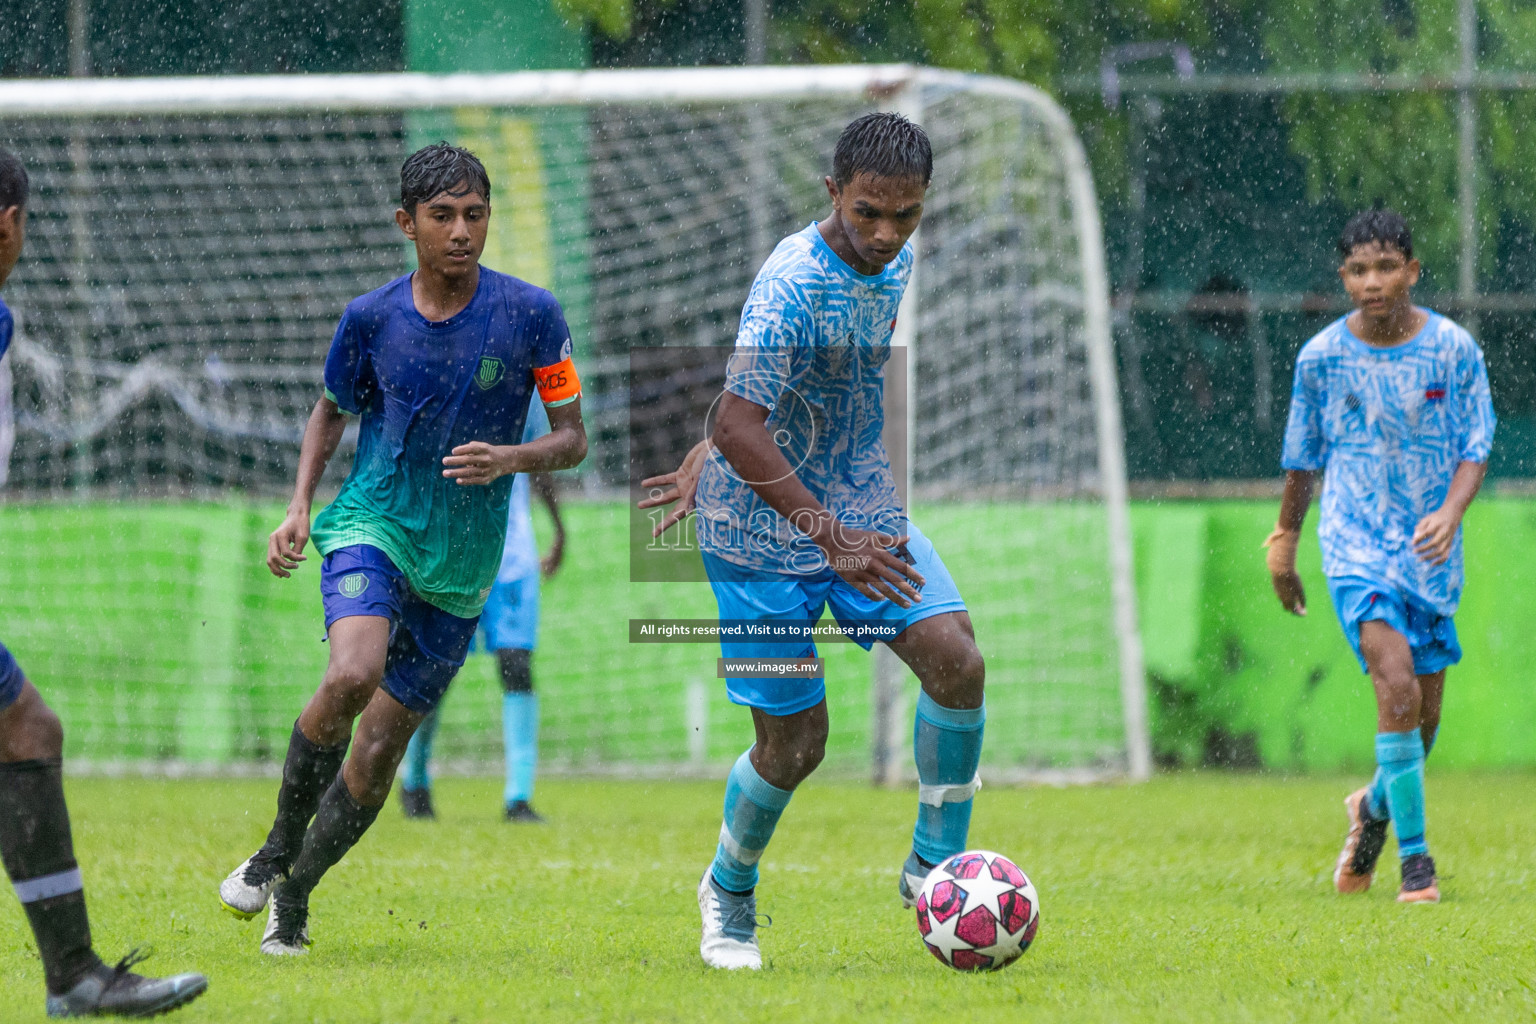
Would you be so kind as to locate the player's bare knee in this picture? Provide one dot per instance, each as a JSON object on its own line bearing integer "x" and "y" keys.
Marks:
{"x": 790, "y": 760}
{"x": 33, "y": 732}
{"x": 351, "y": 684}
{"x": 959, "y": 680}
{"x": 809, "y": 754}
{"x": 47, "y": 731}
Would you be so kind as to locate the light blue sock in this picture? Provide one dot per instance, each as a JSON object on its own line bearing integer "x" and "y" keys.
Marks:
{"x": 1400, "y": 756}
{"x": 1376, "y": 799}
{"x": 418, "y": 753}
{"x": 520, "y": 735}
{"x": 947, "y": 745}
{"x": 752, "y": 809}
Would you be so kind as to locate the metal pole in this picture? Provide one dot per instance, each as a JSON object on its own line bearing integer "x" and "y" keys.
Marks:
{"x": 79, "y": 29}
{"x": 759, "y": 166}
{"x": 83, "y": 251}
{"x": 755, "y": 13}
{"x": 1466, "y": 285}
{"x": 890, "y": 722}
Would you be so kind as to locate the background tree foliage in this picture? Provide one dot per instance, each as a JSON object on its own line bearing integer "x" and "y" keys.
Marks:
{"x": 1400, "y": 147}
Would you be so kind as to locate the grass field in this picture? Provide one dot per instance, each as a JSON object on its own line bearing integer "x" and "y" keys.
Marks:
{"x": 1192, "y": 898}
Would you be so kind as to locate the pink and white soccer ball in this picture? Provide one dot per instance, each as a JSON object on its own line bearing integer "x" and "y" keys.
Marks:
{"x": 978, "y": 911}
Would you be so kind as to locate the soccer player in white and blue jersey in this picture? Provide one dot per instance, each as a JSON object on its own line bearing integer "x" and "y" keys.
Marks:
{"x": 439, "y": 365}
{"x": 798, "y": 510}
{"x": 36, "y": 845}
{"x": 509, "y": 630}
{"x": 1391, "y": 403}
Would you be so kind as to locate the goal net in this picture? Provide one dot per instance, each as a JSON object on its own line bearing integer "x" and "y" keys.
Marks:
{"x": 193, "y": 241}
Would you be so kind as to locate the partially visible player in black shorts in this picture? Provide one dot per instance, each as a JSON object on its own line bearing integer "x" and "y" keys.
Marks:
{"x": 35, "y": 842}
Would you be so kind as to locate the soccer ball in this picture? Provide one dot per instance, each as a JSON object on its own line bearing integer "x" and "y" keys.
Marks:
{"x": 977, "y": 911}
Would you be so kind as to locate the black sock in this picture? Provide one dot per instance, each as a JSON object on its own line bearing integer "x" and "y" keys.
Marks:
{"x": 307, "y": 771}
{"x": 39, "y": 856}
{"x": 339, "y": 824}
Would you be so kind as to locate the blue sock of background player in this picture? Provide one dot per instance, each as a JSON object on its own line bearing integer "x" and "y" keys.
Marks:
{"x": 520, "y": 732}
{"x": 418, "y": 754}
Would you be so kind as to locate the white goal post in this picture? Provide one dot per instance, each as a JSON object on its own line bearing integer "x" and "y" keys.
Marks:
{"x": 193, "y": 240}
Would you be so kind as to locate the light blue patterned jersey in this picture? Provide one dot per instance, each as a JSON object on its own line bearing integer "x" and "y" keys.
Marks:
{"x": 1390, "y": 426}
{"x": 814, "y": 339}
{"x": 520, "y": 552}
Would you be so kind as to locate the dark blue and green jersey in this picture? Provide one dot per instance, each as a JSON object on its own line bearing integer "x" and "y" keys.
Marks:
{"x": 422, "y": 388}
{"x": 7, "y": 326}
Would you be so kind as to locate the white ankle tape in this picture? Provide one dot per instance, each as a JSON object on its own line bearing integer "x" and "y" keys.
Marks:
{"x": 736, "y": 850}
{"x": 954, "y": 793}
{"x": 46, "y": 887}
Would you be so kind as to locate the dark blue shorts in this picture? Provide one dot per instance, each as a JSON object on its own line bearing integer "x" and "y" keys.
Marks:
{"x": 10, "y": 678}
{"x": 426, "y": 644}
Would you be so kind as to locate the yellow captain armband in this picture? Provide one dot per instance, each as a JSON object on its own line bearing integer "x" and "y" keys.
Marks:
{"x": 558, "y": 384}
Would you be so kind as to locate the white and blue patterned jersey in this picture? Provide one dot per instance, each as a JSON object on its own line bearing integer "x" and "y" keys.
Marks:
{"x": 1389, "y": 426}
{"x": 520, "y": 552}
{"x": 814, "y": 338}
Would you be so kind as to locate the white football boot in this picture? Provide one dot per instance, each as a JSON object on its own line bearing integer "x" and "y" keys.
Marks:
{"x": 244, "y": 893}
{"x": 287, "y": 931}
{"x": 730, "y": 928}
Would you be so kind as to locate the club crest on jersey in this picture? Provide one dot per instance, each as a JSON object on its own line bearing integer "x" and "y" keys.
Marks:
{"x": 490, "y": 373}
{"x": 353, "y": 585}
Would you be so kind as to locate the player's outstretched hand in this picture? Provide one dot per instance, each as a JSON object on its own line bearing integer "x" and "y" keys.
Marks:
{"x": 1281, "y": 561}
{"x": 478, "y": 463}
{"x": 679, "y": 485}
{"x": 863, "y": 558}
{"x": 1435, "y": 535}
{"x": 285, "y": 547}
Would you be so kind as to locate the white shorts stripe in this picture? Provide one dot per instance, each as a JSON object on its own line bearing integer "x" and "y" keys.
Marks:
{"x": 49, "y": 886}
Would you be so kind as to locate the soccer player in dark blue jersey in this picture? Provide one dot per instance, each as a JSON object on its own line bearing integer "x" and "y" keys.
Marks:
{"x": 35, "y": 841}
{"x": 440, "y": 365}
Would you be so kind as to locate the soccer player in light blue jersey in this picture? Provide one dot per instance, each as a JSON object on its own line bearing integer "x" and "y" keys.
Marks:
{"x": 35, "y": 840}
{"x": 798, "y": 510}
{"x": 509, "y": 629}
{"x": 439, "y": 365}
{"x": 1391, "y": 403}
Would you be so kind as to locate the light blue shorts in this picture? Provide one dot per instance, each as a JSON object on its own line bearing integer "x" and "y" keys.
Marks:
{"x": 511, "y": 615}
{"x": 1431, "y": 636}
{"x": 761, "y": 595}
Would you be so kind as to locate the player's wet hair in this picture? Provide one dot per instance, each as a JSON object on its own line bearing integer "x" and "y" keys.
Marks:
{"x": 14, "y": 184}
{"x": 1384, "y": 226}
{"x": 885, "y": 145}
{"x": 440, "y": 168}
